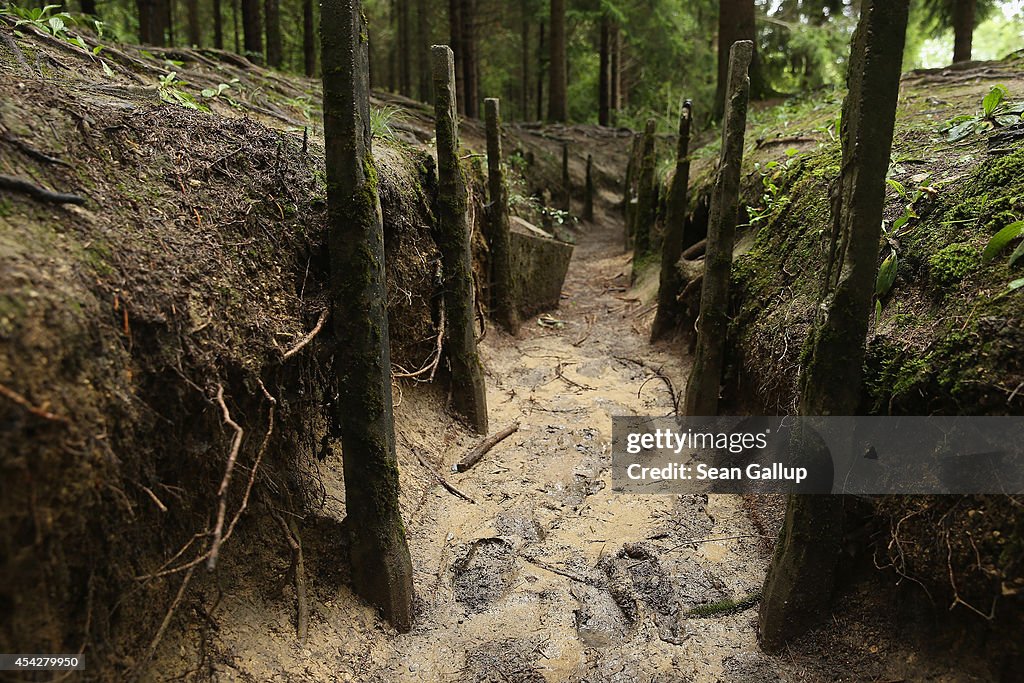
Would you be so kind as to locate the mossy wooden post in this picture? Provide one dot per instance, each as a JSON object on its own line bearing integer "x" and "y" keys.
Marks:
{"x": 798, "y": 588}
{"x": 646, "y": 199}
{"x": 469, "y": 395}
{"x": 588, "y": 191}
{"x": 675, "y": 223}
{"x": 381, "y": 568}
{"x": 702, "y": 387}
{"x": 566, "y": 180}
{"x": 505, "y": 296}
{"x": 630, "y": 190}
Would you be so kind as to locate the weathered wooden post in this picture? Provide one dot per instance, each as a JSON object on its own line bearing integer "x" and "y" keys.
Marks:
{"x": 647, "y": 199}
{"x": 381, "y": 568}
{"x": 588, "y": 191}
{"x": 629, "y": 191}
{"x": 469, "y": 395}
{"x": 800, "y": 581}
{"x": 702, "y": 387}
{"x": 675, "y": 223}
{"x": 505, "y": 297}
{"x": 566, "y": 180}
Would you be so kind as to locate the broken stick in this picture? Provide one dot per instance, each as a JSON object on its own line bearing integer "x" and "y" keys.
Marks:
{"x": 474, "y": 456}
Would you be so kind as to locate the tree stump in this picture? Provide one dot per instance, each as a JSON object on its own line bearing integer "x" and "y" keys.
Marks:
{"x": 505, "y": 297}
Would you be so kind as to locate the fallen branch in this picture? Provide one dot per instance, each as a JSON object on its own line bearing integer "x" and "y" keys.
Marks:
{"x": 309, "y": 337}
{"x": 474, "y": 456}
{"x": 696, "y": 251}
{"x": 658, "y": 374}
{"x": 38, "y": 192}
{"x": 443, "y": 482}
{"x": 561, "y": 572}
{"x": 24, "y": 403}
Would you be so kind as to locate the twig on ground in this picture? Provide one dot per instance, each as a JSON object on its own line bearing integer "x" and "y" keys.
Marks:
{"x": 298, "y": 569}
{"x": 24, "y": 403}
{"x": 14, "y": 184}
{"x": 309, "y": 337}
{"x": 657, "y": 373}
{"x": 586, "y": 335}
{"x": 560, "y": 572}
{"x": 442, "y": 481}
{"x": 561, "y": 376}
{"x": 481, "y": 449}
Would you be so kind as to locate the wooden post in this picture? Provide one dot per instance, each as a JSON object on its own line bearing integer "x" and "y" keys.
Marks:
{"x": 800, "y": 581}
{"x": 628, "y": 192}
{"x": 702, "y": 387}
{"x": 505, "y": 297}
{"x": 675, "y": 223}
{"x": 381, "y": 568}
{"x": 469, "y": 395}
{"x": 588, "y": 193}
{"x": 646, "y": 199}
{"x": 566, "y": 180}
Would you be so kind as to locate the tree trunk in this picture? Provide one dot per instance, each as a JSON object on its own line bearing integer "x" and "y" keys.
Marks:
{"x": 703, "y": 384}
{"x": 963, "y": 29}
{"x": 541, "y": 61}
{"x": 615, "y": 84}
{"x": 675, "y": 223}
{"x": 588, "y": 191}
{"x": 566, "y": 194}
{"x": 629, "y": 191}
{"x": 169, "y": 7}
{"x": 423, "y": 50}
{"x": 470, "y": 61}
{"x": 798, "y": 588}
{"x": 381, "y": 567}
{"x": 469, "y": 395}
{"x": 252, "y": 30}
{"x": 88, "y": 7}
{"x": 152, "y": 21}
{"x": 604, "y": 73}
{"x": 646, "y": 199}
{"x": 737, "y": 21}
{"x": 192, "y": 18}
{"x": 558, "y": 104}
{"x": 308, "y": 39}
{"x": 272, "y": 12}
{"x": 218, "y": 25}
{"x": 234, "y": 21}
{"x": 505, "y": 296}
{"x": 456, "y": 44}
{"x": 524, "y": 71}
{"x": 405, "y": 49}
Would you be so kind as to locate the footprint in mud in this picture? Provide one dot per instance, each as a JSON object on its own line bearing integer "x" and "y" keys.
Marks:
{"x": 503, "y": 661}
{"x": 485, "y": 573}
{"x": 523, "y": 528}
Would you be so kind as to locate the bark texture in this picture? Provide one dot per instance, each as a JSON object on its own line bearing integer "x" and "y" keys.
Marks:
{"x": 272, "y": 14}
{"x": 381, "y": 567}
{"x": 505, "y": 298}
{"x": 964, "y": 12}
{"x": 469, "y": 396}
{"x": 558, "y": 101}
{"x": 675, "y": 224}
{"x": 703, "y": 385}
{"x": 252, "y": 30}
{"x": 737, "y": 21}
{"x": 308, "y": 39}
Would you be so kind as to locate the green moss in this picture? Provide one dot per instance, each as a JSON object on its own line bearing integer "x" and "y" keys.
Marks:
{"x": 950, "y": 265}
{"x": 1006, "y": 170}
{"x": 6, "y": 208}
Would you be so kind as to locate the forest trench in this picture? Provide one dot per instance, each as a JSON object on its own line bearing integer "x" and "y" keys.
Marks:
{"x": 548, "y": 574}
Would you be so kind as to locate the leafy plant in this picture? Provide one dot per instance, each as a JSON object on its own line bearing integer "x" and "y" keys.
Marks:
{"x": 1001, "y": 239}
{"x": 995, "y": 112}
{"x": 172, "y": 93}
{"x": 773, "y": 175}
{"x": 55, "y": 23}
{"x": 382, "y": 120}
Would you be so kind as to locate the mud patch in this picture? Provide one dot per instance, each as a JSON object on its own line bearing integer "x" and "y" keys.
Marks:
{"x": 484, "y": 574}
{"x": 504, "y": 661}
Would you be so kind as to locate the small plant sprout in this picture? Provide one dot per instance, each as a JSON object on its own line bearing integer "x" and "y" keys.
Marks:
{"x": 995, "y": 112}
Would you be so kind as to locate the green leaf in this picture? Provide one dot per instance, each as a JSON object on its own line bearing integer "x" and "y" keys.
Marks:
{"x": 1016, "y": 284}
{"x": 886, "y": 275}
{"x": 1001, "y": 239}
{"x": 107, "y": 70}
{"x": 993, "y": 99}
{"x": 962, "y": 130}
{"x": 898, "y": 186}
{"x": 1017, "y": 253}
{"x": 878, "y": 311}
{"x": 56, "y": 25}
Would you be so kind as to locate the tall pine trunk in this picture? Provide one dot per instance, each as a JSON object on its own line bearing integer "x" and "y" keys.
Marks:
{"x": 308, "y": 38}
{"x": 524, "y": 70}
{"x": 541, "y": 63}
{"x": 963, "y": 29}
{"x": 192, "y": 16}
{"x": 456, "y": 44}
{"x": 470, "y": 59}
{"x": 88, "y": 6}
{"x": 218, "y": 25}
{"x": 423, "y": 42}
{"x": 737, "y": 21}
{"x": 272, "y": 12}
{"x": 404, "y": 53}
{"x": 558, "y": 103}
{"x": 153, "y": 16}
{"x": 604, "y": 73}
{"x": 252, "y": 30}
